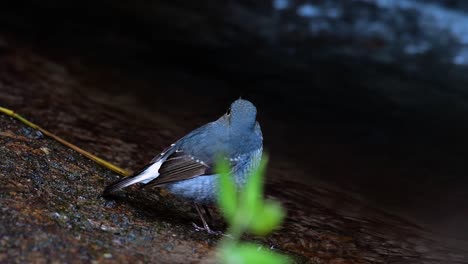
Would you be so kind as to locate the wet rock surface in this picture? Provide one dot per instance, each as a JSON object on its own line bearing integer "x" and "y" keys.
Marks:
{"x": 52, "y": 211}
{"x": 50, "y": 195}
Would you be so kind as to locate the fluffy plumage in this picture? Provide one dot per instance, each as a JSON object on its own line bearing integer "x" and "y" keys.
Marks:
{"x": 186, "y": 167}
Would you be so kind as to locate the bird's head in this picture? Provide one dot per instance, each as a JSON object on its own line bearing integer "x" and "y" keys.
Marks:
{"x": 241, "y": 115}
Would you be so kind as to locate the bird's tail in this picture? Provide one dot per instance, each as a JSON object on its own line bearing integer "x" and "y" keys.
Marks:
{"x": 145, "y": 175}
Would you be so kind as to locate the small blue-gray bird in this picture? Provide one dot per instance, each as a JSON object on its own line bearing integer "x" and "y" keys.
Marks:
{"x": 186, "y": 167}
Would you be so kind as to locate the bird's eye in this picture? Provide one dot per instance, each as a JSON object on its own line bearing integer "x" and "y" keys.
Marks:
{"x": 228, "y": 111}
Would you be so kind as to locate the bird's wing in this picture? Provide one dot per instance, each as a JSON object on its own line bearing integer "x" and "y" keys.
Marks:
{"x": 144, "y": 175}
{"x": 181, "y": 166}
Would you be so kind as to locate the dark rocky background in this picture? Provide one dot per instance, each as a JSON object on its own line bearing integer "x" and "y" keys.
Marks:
{"x": 362, "y": 103}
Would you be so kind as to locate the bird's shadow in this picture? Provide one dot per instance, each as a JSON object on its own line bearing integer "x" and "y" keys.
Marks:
{"x": 156, "y": 205}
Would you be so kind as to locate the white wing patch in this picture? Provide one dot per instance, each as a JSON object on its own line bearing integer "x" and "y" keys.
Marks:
{"x": 151, "y": 173}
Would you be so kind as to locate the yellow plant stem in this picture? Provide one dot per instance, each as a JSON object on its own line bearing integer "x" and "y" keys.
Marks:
{"x": 66, "y": 143}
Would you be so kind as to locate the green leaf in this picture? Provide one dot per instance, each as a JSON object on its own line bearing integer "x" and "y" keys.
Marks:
{"x": 267, "y": 219}
{"x": 247, "y": 253}
{"x": 227, "y": 195}
{"x": 252, "y": 194}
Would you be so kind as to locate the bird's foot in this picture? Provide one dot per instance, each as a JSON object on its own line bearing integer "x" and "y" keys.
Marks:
{"x": 207, "y": 229}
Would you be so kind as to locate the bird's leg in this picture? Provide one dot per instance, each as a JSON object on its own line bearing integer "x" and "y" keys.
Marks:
{"x": 212, "y": 220}
{"x": 208, "y": 214}
{"x": 205, "y": 227}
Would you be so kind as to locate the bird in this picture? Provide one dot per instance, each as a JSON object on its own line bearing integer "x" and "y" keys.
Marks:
{"x": 186, "y": 167}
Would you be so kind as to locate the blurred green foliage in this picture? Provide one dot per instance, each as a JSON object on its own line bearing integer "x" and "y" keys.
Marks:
{"x": 247, "y": 211}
